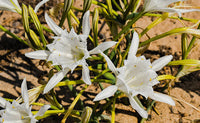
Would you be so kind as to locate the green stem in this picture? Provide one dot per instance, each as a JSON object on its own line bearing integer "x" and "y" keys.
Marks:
{"x": 13, "y": 35}
{"x": 113, "y": 110}
{"x": 190, "y": 45}
{"x": 154, "y": 23}
{"x": 126, "y": 28}
{"x": 173, "y": 31}
{"x": 149, "y": 108}
{"x": 118, "y": 7}
{"x": 104, "y": 6}
{"x": 71, "y": 107}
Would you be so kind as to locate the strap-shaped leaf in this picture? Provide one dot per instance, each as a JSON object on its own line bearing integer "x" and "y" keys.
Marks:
{"x": 186, "y": 62}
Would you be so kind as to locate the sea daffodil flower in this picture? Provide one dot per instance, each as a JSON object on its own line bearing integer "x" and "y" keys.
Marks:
{"x": 68, "y": 50}
{"x": 19, "y": 113}
{"x": 137, "y": 76}
{"x": 162, "y": 6}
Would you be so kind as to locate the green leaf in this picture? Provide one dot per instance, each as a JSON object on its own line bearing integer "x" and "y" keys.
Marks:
{"x": 25, "y": 18}
{"x": 163, "y": 77}
{"x": 37, "y": 24}
{"x": 186, "y": 70}
{"x": 86, "y": 5}
{"x": 35, "y": 38}
{"x": 85, "y": 116}
{"x": 95, "y": 25}
{"x": 186, "y": 62}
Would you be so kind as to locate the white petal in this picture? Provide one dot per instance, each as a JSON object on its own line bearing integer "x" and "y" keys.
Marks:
{"x": 102, "y": 47}
{"x": 111, "y": 66}
{"x": 86, "y": 75}
{"x": 179, "y": 11}
{"x": 42, "y": 110}
{"x": 39, "y": 54}
{"x": 107, "y": 92}
{"x": 55, "y": 28}
{"x": 2, "y": 102}
{"x": 16, "y": 3}
{"x": 7, "y": 5}
{"x": 86, "y": 23}
{"x": 122, "y": 85}
{"x": 162, "y": 98}
{"x": 136, "y": 106}
{"x": 24, "y": 92}
{"x": 39, "y": 5}
{"x": 55, "y": 79}
{"x": 134, "y": 45}
{"x": 161, "y": 62}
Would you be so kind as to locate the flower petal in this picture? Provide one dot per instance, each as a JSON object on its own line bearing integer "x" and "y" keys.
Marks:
{"x": 55, "y": 28}
{"x": 39, "y": 5}
{"x": 102, "y": 47}
{"x": 86, "y": 75}
{"x": 162, "y": 98}
{"x": 55, "y": 79}
{"x": 86, "y": 23}
{"x": 2, "y": 102}
{"x": 39, "y": 54}
{"x": 122, "y": 85}
{"x": 107, "y": 92}
{"x": 24, "y": 92}
{"x": 111, "y": 66}
{"x": 42, "y": 110}
{"x": 136, "y": 106}
{"x": 134, "y": 45}
{"x": 161, "y": 62}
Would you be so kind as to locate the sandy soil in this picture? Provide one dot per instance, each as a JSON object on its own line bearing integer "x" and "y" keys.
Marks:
{"x": 14, "y": 66}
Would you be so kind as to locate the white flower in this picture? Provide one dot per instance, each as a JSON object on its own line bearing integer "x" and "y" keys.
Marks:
{"x": 10, "y": 5}
{"x": 137, "y": 76}
{"x": 68, "y": 50}
{"x": 13, "y": 5}
{"x": 162, "y": 5}
{"x": 19, "y": 113}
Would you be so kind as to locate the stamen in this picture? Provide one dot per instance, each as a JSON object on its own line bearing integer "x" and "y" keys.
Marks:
{"x": 150, "y": 66}
{"x": 150, "y": 79}
{"x": 22, "y": 117}
{"x": 134, "y": 65}
{"x": 13, "y": 107}
{"x": 3, "y": 120}
{"x": 142, "y": 58}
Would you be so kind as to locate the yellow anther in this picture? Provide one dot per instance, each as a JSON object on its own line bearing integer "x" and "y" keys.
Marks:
{"x": 76, "y": 47}
{"x": 22, "y": 117}
{"x": 134, "y": 65}
{"x": 141, "y": 83}
{"x": 3, "y": 120}
{"x": 142, "y": 58}
{"x": 150, "y": 79}
{"x": 150, "y": 66}
{"x": 72, "y": 38}
{"x": 13, "y": 107}
{"x": 59, "y": 54}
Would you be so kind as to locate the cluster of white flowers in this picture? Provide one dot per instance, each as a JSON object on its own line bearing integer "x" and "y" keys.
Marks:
{"x": 19, "y": 113}
{"x": 69, "y": 50}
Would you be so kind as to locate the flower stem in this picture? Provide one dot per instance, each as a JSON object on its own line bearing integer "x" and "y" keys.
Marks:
{"x": 73, "y": 104}
{"x": 173, "y": 31}
{"x": 126, "y": 28}
{"x": 13, "y": 35}
{"x": 113, "y": 110}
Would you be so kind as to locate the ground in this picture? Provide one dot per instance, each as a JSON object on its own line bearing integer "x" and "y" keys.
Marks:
{"x": 14, "y": 66}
